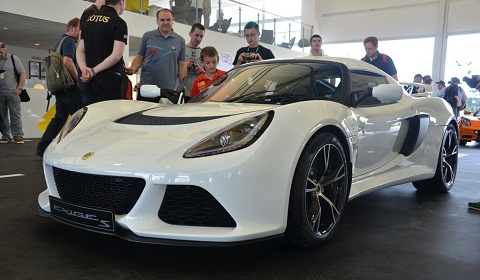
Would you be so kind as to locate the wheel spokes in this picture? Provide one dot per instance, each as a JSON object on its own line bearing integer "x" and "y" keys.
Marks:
{"x": 325, "y": 190}
{"x": 449, "y": 157}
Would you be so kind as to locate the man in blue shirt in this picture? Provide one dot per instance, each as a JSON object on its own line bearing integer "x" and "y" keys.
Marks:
{"x": 382, "y": 61}
{"x": 69, "y": 100}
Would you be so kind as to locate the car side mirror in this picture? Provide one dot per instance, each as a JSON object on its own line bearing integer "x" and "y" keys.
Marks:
{"x": 382, "y": 93}
{"x": 150, "y": 91}
{"x": 167, "y": 96}
{"x": 388, "y": 92}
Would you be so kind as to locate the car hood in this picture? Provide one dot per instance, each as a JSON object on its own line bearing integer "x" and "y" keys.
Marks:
{"x": 119, "y": 141}
{"x": 208, "y": 109}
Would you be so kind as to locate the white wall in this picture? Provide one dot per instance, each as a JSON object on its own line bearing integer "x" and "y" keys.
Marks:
{"x": 353, "y": 20}
{"x": 63, "y": 10}
{"x": 33, "y": 111}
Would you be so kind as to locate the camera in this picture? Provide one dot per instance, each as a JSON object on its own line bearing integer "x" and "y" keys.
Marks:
{"x": 247, "y": 57}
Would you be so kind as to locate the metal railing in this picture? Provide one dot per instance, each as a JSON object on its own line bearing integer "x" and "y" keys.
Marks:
{"x": 230, "y": 17}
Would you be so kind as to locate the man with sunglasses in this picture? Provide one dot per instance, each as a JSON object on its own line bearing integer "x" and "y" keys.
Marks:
{"x": 254, "y": 51}
{"x": 10, "y": 89}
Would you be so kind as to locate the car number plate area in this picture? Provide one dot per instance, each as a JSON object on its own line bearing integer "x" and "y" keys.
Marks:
{"x": 86, "y": 217}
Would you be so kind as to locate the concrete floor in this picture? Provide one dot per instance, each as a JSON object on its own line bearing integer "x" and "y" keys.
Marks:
{"x": 396, "y": 233}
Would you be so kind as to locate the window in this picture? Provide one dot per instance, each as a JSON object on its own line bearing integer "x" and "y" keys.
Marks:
{"x": 362, "y": 83}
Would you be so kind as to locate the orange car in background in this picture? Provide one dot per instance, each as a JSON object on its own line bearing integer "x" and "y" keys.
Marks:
{"x": 469, "y": 126}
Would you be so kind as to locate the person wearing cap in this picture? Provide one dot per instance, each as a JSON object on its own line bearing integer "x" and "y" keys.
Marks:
{"x": 462, "y": 96}
{"x": 440, "y": 85}
{"x": 418, "y": 78}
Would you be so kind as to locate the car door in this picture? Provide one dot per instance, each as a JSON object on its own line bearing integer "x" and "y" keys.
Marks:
{"x": 379, "y": 124}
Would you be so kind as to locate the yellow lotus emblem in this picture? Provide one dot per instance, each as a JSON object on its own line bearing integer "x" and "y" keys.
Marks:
{"x": 87, "y": 155}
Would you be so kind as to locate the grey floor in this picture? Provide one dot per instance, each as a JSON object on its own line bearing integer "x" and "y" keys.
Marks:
{"x": 395, "y": 233}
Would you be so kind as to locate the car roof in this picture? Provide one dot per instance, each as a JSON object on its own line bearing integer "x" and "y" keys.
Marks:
{"x": 352, "y": 64}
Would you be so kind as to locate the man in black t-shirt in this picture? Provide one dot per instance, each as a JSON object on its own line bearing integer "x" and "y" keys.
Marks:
{"x": 90, "y": 11}
{"x": 254, "y": 51}
{"x": 451, "y": 96}
{"x": 100, "y": 52}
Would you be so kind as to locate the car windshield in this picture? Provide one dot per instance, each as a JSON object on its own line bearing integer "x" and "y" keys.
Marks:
{"x": 276, "y": 83}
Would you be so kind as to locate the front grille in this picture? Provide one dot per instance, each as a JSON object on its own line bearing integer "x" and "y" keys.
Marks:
{"x": 193, "y": 206}
{"x": 109, "y": 192}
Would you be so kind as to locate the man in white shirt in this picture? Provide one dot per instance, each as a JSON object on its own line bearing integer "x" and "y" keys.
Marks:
{"x": 316, "y": 45}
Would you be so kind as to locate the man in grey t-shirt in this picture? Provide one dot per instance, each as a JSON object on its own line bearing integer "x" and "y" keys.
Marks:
{"x": 10, "y": 88}
{"x": 161, "y": 56}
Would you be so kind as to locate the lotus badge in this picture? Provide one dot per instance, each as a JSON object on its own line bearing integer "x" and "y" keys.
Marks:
{"x": 87, "y": 155}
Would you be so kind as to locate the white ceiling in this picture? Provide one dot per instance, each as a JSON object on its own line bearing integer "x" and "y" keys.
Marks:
{"x": 25, "y": 32}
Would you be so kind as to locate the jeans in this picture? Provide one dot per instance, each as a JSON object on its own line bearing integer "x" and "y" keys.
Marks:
{"x": 67, "y": 103}
{"x": 11, "y": 115}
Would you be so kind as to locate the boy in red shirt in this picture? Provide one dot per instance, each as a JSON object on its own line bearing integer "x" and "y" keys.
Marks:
{"x": 209, "y": 58}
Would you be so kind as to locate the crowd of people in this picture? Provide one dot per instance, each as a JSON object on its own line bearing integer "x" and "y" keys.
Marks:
{"x": 93, "y": 55}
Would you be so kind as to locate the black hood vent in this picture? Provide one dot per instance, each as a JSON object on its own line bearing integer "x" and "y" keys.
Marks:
{"x": 140, "y": 119}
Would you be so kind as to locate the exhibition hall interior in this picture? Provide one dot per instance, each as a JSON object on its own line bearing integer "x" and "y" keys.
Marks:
{"x": 395, "y": 224}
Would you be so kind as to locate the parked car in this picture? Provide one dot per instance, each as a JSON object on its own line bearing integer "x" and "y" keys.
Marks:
{"x": 469, "y": 126}
{"x": 271, "y": 149}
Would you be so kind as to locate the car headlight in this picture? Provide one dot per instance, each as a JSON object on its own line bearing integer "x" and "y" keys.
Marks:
{"x": 466, "y": 122}
{"x": 236, "y": 136}
{"x": 71, "y": 123}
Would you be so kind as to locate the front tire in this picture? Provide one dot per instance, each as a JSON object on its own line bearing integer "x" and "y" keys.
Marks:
{"x": 446, "y": 166}
{"x": 319, "y": 192}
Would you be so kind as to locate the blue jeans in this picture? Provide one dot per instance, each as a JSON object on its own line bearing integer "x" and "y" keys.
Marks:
{"x": 11, "y": 115}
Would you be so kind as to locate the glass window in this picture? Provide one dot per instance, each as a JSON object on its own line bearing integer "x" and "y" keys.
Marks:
{"x": 362, "y": 83}
{"x": 463, "y": 59}
{"x": 277, "y": 83}
{"x": 411, "y": 56}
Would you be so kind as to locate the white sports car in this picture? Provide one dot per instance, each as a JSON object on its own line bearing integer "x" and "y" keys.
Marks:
{"x": 271, "y": 149}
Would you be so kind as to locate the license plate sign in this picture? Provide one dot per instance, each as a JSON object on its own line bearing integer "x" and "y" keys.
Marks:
{"x": 86, "y": 217}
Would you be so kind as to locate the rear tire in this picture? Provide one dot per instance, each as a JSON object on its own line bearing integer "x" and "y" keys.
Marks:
{"x": 446, "y": 167}
{"x": 319, "y": 192}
